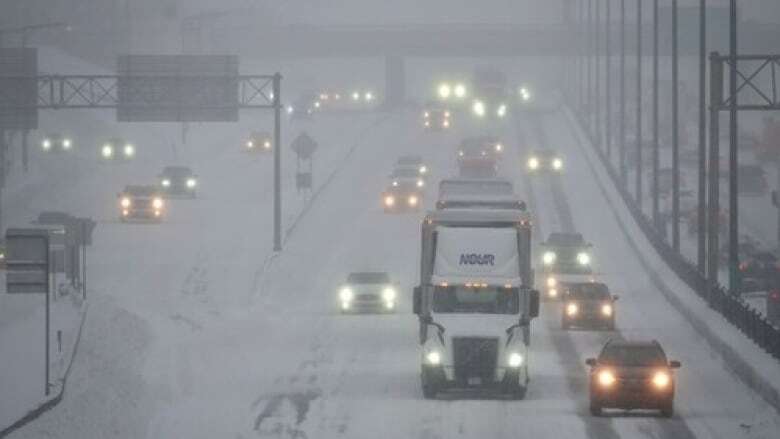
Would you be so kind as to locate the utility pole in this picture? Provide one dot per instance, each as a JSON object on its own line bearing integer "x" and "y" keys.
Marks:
{"x": 277, "y": 101}
{"x": 675, "y": 135}
{"x": 734, "y": 281}
{"x": 701, "y": 236}
{"x": 638, "y": 195}
{"x": 608, "y": 80}
{"x": 622, "y": 130}
{"x": 597, "y": 67}
{"x": 589, "y": 106}
{"x": 656, "y": 210}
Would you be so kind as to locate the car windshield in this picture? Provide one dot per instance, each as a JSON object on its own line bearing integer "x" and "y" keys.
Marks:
{"x": 141, "y": 191}
{"x": 565, "y": 239}
{"x": 588, "y": 291}
{"x": 368, "y": 278}
{"x": 406, "y": 172}
{"x": 633, "y": 355}
{"x": 409, "y": 161}
{"x": 176, "y": 171}
{"x": 470, "y": 300}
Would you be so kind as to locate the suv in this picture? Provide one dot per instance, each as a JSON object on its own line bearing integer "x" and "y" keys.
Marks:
{"x": 632, "y": 375}
{"x": 368, "y": 291}
{"x": 140, "y": 203}
{"x": 565, "y": 258}
{"x": 259, "y": 141}
{"x": 588, "y": 304}
{"x": 402, "y": 197}
{"x": 544, "y": 160}
{"x": 178, "y": 181}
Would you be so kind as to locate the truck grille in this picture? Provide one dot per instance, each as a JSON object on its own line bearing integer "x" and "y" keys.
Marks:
{"x": 475, "y": 360}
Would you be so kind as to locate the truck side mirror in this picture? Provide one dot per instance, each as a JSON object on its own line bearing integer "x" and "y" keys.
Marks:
{"x": 417, "y": 300}
{"x": 675, "y": 364}
{"x": 590, "y": 362}
{"x": 533, "y": 304}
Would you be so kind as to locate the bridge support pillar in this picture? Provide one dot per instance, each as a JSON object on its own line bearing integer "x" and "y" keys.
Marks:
{"x": 395, "y": 81}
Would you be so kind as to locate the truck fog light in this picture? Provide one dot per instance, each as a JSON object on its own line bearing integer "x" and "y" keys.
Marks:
{"x": 606, "y": 310}
{"x": 572, "y": 309}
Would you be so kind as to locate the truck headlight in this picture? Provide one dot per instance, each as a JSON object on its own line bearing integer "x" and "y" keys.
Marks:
{"x": 478, "y": 108}
{"x": 515, "y": 359}
{"x": 107, "y": 151}
{"x": 413, "y": 200}
{"x": 583, "y": 258}
{"x": 548, "y": 258}
{"x": 460, "y": 91}
{"x": 157, "y": 203}
{"x": 166, "y": 182}
{"x": 191, "y": 183}
{"x": 572, "y": 309}
{"x": 423, "y": 169}
{"x": 557, "y": 164}
{"x": 661, "y": 379}
{"x": 388, "y": 294}
{"x": 125, "y": 202}
{"x": 346, "y": 294}
{"x": 606, "y": 378}
{"x": 606, "y": 309}
{"x": 389, "y": 200}
{"x": 433, "y": 358}
{"x": 501, "y": 111}
{"x": 129, "y": 150}
{"x": 533, "y": 163}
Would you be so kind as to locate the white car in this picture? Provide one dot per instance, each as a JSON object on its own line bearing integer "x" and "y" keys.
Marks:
{"x": 368, "y": 292}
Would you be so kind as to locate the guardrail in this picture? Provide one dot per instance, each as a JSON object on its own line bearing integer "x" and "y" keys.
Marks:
{"x": 733, "y": 308}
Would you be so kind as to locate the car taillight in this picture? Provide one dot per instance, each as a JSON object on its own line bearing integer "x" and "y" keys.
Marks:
{"x": 743, "y": 266}
{"x": 774, "y": 296}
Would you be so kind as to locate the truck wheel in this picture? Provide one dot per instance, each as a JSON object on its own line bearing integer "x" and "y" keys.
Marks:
{"x": 595, "y": 407}
{"x": 667, "y": 410}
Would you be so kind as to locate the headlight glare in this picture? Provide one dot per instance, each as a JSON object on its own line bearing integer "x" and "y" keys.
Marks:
{"x": 388, "y": 294}
{"x": 606, "y": 309}
{"x": 515, "y": 359}
{"x": 346, "y": 294}
{"x": 583, "y": 258}
{"x": 572, "y": 309}
{"x": 548, "y": 258}
{"x": 166, "y": 182}
{"x": 533, "y": 163}
{"x": 478, "y": 108}
{"x": 661, "y": 379}
{"x": 433, "y": 358}
{"x": 606, "y": 378}
{"x": 125, "y": 202}
{"x": 157, "y": 203}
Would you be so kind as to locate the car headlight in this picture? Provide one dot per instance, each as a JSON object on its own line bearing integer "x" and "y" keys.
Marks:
{"x": 46, "y": 144}
{"x": 548, "y": 258}
{"x": 66, "y": 144}
{"x": 446, "y": 114}
{"x": 606, "y": 378}
{"x": 552, "y": 292}
{"x": 606, "y": 309}
{"x": 460, "y": 91}
{"x": 583, "y": 258}
{"x": 557, "y": 164}
{"x": 460, "y": 153}
{"x": 317, "y": 104}
{"x": 267, "y": 144}
{"x": 661, "y": 379}
{"x": 499, "y": 147}
{"x": 478, "y": 108}
{"x": 129, "y": 150}
{"x": 427, "y": 123}
{"x": 290, "y": 109}
{"x": 157, "y": 203}
{"x": 533, "y": 163}
{"x": 413, "y": 200}
{"x": 125, "y": 202}
{"x": 433, "y": 358}
{"x": 551, "y": 282}
{"x": 426, "y": 115}
{"x": 388, "y": 294}
{"x": 395, "y": 183}
{"x": 420, "y": 183}
{"x": 572, "y": 309}
{"x": 107, "y": 151}
{"x": 515, "y": 359}
{"x": 501, "y": 111}
{"x": 346, "y": 294}
{"x": 355, "y": 96}
{"x": 446, "y": 123}
{"x": 444, "y": 90}
{"x": 368, "y": 96}
{"x": 423, "y": 169}
{"x": 389, "y": 200}
{"x": 166, "y": 182}
{"x": 191, "y": 183}
{"x": 250, "y": 144}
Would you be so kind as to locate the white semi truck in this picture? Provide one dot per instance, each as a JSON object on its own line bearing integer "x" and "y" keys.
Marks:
{"x": 475, "y": 301}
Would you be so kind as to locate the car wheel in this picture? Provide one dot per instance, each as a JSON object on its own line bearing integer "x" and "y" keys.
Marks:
{"x": 595, "y": 408}
{"x": 667, "y": 410}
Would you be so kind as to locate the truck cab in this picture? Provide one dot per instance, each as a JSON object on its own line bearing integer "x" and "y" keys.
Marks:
{"x": 475, "y": 301}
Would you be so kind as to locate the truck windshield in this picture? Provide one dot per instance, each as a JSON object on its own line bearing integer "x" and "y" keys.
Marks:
{"x": 470, "y": 300}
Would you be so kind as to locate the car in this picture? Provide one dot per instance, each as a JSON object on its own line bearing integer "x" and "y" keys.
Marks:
{"x": 402, "y": 197}
{"x": 141, "y": 203}
{"x": 544, "y": 160}
{"x": 407, "y": 174}
{"x": 368, "y": 292}
{"x": 304, "y": 107}
{"x": 491, "y": 93}
{"x": 436, "y": 118}
{"x": 588, "y": 305}
{"x": 412, "y": 161}
{"x": 759, "y": 270}
{"x": 477, "y": 158}
{"x": 56, "y": 142}
{"x": 565, "y": 258}
{"x": 116, "y": 148}
{"x": 178, "y": 181}
{"x": 773, "y": 306}
{"x": 481, "y": 193}
{"x": 259, "y": 141}
{"x": 632, "y": 375}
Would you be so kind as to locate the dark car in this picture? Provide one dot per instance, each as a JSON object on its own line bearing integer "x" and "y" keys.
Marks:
{"x": 56, "y": 142}
{"x": 588, "y": 305}
{"x": 632, "y": 375}
{"x": 436, "y": 118}
{"x": 477, "y": 158}
{"x": 565, "y": 258}
{"x": 412, "y": 161}
{"x": 402, "y": 175}
{"x": 759, "y": 269}
{"x": 402, "y": 197}
{"x": 178, "y": 181}
{"x": 368, "y": 291}
{"x": 259, "y": 142}
{"x": 544, "y": 160}
{"x": 141, "y": 203}
{"x": 117, "y": 148}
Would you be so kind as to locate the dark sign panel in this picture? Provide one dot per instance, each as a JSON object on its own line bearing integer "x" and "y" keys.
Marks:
{"x": 18, "y": 89}
{"x": 27, "y": 261}
{"x": 177, "y": 88}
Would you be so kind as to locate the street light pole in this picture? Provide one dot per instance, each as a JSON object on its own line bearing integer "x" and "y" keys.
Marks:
{"x": 638, "y": 195}
{"x": 702, "y": 195}
{"x": 622, "y": 130}
{"x": 597, "y": 67}
{"x": 277, "y": 101}
{"x": 589, "y": 106}
{"x": 608, "y": 81}
{"x": 656, "y": 210}
{"x": 734, "y": 281}
{"x": 675, "y": 135}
